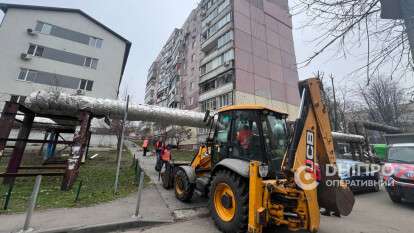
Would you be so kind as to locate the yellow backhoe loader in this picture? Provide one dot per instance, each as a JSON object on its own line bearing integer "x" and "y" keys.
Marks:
{"x": 257, "y": 171}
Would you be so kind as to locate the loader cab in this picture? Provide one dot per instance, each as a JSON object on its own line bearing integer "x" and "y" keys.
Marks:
{"x": 249, "y": 132}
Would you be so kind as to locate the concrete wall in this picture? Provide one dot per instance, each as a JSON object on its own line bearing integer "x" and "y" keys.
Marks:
{"x": 15, "y": 40}
{"x": 264, "y": 56}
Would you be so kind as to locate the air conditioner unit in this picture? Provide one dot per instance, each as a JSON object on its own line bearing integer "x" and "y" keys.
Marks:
{"x": 227, "y": 63}
{"x": 208, "y": 23}
{"x": 31, "y": 32}
{"x": 80, "y": 92}
{"x": 25, "y": 56}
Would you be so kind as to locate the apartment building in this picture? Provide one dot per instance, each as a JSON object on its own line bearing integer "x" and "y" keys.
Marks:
{"x": 58, "y": 49}
{"x": 229, "y": 52}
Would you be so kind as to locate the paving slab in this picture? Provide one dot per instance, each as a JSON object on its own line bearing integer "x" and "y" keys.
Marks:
{"x": 198, "y": 204}
{"x": 152, "y": 208}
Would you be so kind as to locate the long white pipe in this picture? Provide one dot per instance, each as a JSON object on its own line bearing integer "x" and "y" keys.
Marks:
{"x": 70, "y": 105}
{"x": 58, "y": 103}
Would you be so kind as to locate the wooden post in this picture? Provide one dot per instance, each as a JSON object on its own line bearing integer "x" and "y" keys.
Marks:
{"x": 6, "y": 122}
{"x": 20, "y": 146}
{"x": 80, "y": 141}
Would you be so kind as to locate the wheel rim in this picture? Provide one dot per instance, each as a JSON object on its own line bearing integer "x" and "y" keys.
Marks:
{"x": 179, "y": 185}
{"x": 224, "y": 202}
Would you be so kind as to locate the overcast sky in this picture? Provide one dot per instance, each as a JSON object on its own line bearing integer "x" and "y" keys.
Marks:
{"x": 148, "y": 24}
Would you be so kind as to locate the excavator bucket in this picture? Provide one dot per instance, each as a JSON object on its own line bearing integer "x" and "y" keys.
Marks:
{"x": 336, "y": 197}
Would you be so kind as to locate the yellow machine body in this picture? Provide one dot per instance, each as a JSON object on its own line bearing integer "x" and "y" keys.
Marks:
{"x": 295, "y": 199}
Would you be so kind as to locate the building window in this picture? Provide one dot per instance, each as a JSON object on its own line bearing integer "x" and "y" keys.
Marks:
{"x": 223, "y": 40}
{"x": 218, "y": 61}
{"x": 220, "y": 81}
{"x": 194, "y": 43}
{"x": 85, "y": 85}
{"x": 68, "y": 34}
{"x": 95, "y": 42}
{"x": 23, "y": 75}
{"x": 217, "y": 102}
{"x": 216, "y": 27}
{"x": 55, "y": 80}
{"x": 215, "y": 13}
{"x": 46, "y": 28}
{"x": 191, "y": 101}
{"x": 192, "y": 57}
{"x": 90, "y": 62}
{"x": 35, "y": 50}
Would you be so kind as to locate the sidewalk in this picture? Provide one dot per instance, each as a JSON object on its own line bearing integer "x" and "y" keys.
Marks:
{"x": 153, "y": 208}
{"x": 180, "y": 210}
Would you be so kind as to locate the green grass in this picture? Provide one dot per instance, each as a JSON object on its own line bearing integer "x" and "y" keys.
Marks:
{"x": 182, "y": 155}
{"x": 97, "y": 175}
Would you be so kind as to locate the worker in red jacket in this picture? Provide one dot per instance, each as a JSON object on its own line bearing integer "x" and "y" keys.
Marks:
{"x": 158, "y": 148}
{"x": 145, "y": 147}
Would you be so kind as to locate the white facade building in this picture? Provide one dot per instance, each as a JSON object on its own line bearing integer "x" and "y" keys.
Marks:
{"x": 47, "y": 48}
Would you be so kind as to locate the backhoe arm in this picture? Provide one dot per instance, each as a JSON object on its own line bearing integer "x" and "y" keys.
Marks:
{"x": 311, "y": 160}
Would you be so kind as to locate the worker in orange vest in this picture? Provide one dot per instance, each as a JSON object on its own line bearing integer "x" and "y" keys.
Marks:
{"x": 166, "y": 154}
{"x": 145, "y": 147}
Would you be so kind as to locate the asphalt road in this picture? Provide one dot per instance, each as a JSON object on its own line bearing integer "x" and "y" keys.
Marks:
{"x": 373, "y": 213}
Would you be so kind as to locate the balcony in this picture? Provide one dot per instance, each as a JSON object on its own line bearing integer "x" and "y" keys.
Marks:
{"x": 211, "y": 8}
{"x": 216, "y": 92}
{"x": 216, "y": 18}
{"x": 216, "y": 53}
{"x": 211, "y": 42}
{"x": 221, "y": 69}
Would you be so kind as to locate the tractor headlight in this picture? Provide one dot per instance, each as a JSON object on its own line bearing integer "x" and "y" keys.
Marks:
{"x": 263, "y": 170}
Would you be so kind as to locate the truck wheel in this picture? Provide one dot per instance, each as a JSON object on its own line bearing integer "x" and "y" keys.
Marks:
{"x": 395, "y": 198}
{"x": 184, "y": 189}
{"x": 229, "y": 201}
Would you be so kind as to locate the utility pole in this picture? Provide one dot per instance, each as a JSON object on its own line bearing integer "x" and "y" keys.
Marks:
{"x": 335, "y": 105}
{"x": 118, "y": 167}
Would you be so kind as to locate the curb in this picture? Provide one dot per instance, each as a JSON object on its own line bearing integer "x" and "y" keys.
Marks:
{"x": 107, "y": 227}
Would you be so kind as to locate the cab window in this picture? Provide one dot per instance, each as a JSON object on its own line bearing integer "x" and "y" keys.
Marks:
{"x": 275, "y": 138}
{"x": 220, "y": 148}
{"x": 275, "y": 135}
{"x": 245, "y": 136}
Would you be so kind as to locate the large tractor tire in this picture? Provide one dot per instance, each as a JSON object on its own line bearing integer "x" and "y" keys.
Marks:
{"x": 229, "y": 201}
{"x": 184, "y": 189}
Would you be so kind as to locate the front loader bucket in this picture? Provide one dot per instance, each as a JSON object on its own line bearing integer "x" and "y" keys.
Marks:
{"x": 336, "y": 197}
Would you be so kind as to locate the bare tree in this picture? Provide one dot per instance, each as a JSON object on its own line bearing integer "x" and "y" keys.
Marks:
{"x": 116, "y": 129}
{"x": 345, "y": 104}
{"x": 346, "y": 24}
{"x": 179, "y": 134}
{"x": 385, "y": 101}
